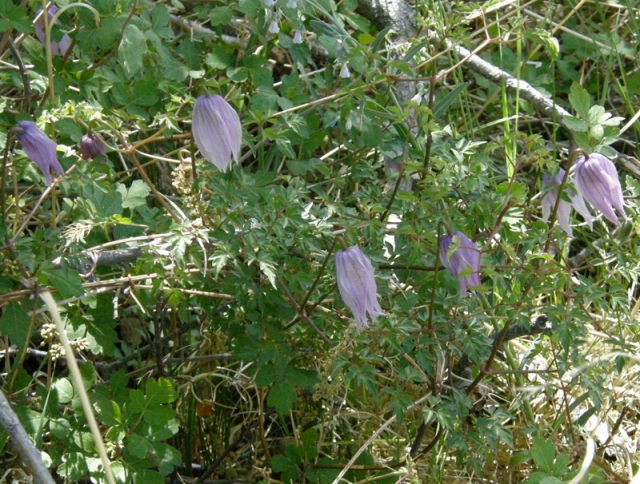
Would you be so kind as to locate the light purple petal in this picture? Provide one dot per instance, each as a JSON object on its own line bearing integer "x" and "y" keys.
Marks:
{"x": 57, "y": 48}
{"x": 39, "y": 148}
{"x": 464, "y": 258}
{"x": 217, "y": 131}
{"x": 598, "y": 183}
{"x": 357, "y": 285}
{"x": 550, "y": 199}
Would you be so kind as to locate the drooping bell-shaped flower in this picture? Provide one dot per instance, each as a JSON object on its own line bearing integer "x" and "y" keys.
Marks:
{"x": 57, "y": 48}
{"x": 564, "y": 208}
{"x": 217, "y": 131}
{"x": 91, "y": 146}
{"x": 597, "y": 181}
{"x": 357, "y": 285}
{"x": 39, "y": 148}
{"x": 461, "y": 257}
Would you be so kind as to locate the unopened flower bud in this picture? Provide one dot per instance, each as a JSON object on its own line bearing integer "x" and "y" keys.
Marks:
{"x": 217, "y": 131}
{"x": 91, "y": 146}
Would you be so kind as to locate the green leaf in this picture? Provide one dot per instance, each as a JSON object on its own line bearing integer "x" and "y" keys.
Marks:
{"x": 66, "y": 281}
{"x": 167, "y": 457}
{"x": 15, "y": 323}
{"x": 132, "y": 50}
{"x": 269, "y": 270}
{"x": 158, "y": 415}
{"x": 580, "y": 100}
{"x": 64, "y": 390}
{"x": 219, "y": 58}
{"x": 220, "y": 16}
{"x": 14, "y": 16}
{"x": 138, "y": 446}
{"x": 310, "y": 443}
{"x": 145, "y": 93}
{"x": 285, "y": 466}
{"x": 266, "y": 376}
{"x": 443, "y": 103}
{"x": 543, "y": 453}
{"x": 301, "y": 378}
{"x": 282, "y": 396}
{"x": 135, "y": 196}
{"x": 160, "y": 391}
{"x": 575, "y": 124}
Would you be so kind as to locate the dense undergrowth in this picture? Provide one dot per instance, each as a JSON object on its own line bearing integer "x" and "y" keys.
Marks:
{"x": 203, "y": 307}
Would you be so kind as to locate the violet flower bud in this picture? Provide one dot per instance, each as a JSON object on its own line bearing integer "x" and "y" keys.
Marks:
{"x": 39, "y": 148}
{"x": 91, "y": 145}
{"x": 217, "y": 131}
{"x": 461, "y": 257}
{"x": 357, "y": 285}
{"x": 57, "y": 48}
{"x": 597, "y": 181}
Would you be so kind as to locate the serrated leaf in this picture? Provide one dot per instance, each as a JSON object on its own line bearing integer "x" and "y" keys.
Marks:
{"x": 580, "y": 100}
{"x": 15, "y": 323}
{"x": 158, "y": 415}
{"x": 266, "y": 376}
{"x": 138, "y": 446}
{"x": 281, "y": 396}
{"x": 160, "y": 391}
{"x": 135, "y": 196}
{"x": 66, "y": 281}
{"x": 268, "y": 270}
{"x": 301, "y": 378}
{"x": 132, "y": 50}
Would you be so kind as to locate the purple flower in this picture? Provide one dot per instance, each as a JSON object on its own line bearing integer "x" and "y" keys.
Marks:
{"x": 597, "y": 181}
{"x": 550, "y": 199}
{"x": 461, "y": 257}
{"x": 217, "y": 131}
{"x": 357, "y": 285}
{"x": 39, "y": 148}
{"x": 91, "y": 145}
{"x": 57, "y": 48}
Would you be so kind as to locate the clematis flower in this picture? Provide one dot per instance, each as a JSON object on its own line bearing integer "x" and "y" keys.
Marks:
{"x": 597, "y": 181}
{"x": 217, "y": 131}
{"x": 357, "y": 285}
{"x": 57, "y": 48}
{"x": 39, "y": 148}
{"x": 91, "y": 146}
{"x": 462, "y": 260}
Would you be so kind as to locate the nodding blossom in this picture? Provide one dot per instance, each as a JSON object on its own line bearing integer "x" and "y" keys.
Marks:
{"x": 39, "y": 148}
{"x": 357, "y": 285}
{"x": 461, "y": 257}
{"x": 217, "y": 131}
{"x": 273, "y": 27}
{"x": 344, "y": 71}
{"x": 91, "y": 146}
{"x": 292, "y": 4}
{"x": 57, "y": 48}
{"x": 597, "y": 181}
{"x": 297, "y": 38}
{"x": 564, "y": 209}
